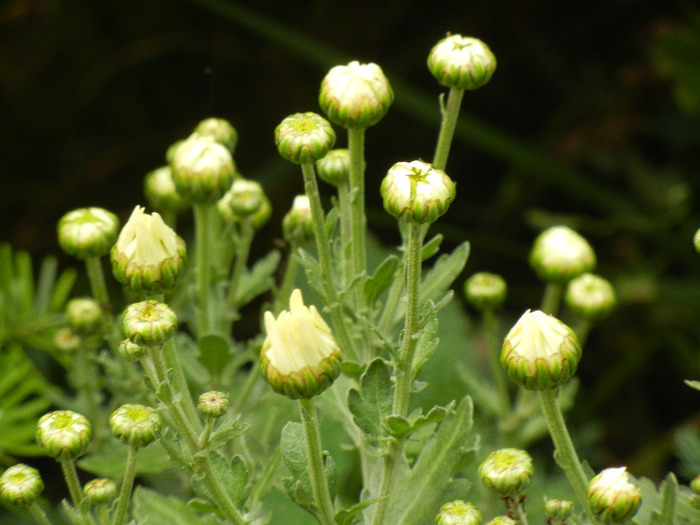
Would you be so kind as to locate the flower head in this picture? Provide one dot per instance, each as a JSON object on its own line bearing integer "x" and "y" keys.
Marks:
{"x": 612, "y": 497}
{"x": 64, "y": 434}
{"x": 458, "y": 512}
{"x": 540, "y": 351}
{"x": 485, "y": 291}
{"x": 507, "y": 471}
{"x": 560, "y": 254}
{"x": 300, "y": 357}
{"x": 202, "y": 169}
{"x": 304, "y": 138}
{"x": 334, "y": 168}
{"x": 87, "y": 232}
{"x": 355, "y": 95}
{"x": 212, "y": 404}
{"x": 21, "y": 485}
{"x": 135, "y": 425}
{"x": 100, "y": 491}
{"x": 219, "y": 130}
{"x": 461, "y": 62}
{"x": 590, "y": 296}
{"x": 84, "y": 315}
{"x": 149, "y": 323}
{"x": 160, "y": 190}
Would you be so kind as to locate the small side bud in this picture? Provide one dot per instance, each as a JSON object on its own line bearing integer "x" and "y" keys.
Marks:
{"x": 695, "y": 485}
{"x": 21, "y": 485}
{"x": 84, "y": 315}
{"x": 100, "y": 491}
{"x": 149, "y": 323}
{"x": 540, "y": 352}
{"x": 507, "y": 471}
{"x": 613, "y": 499}
{"x": 87, "y": 232}
{"x": 485, "y": 291}
{"x": 246, "y": 197}
{"x": 131, "y": 351}
{"x": 304, "y": 138}
{"x": 297, "y": 225}
{"x": 66, "y": 340}
{"x": 135, "y": 425}
{"x": 461, "y": 62}
{"x": 556, "y": 511}
{"x": 64, "y": 434}
{"x": 416, "y": 192}
{"x": 590, "y": 297}
{"x": 559, "y": 254}
{"x": 202, "y": 170}
{"x": 458, "y": 512}
{"x": 160, "y": 191}
{"x": 334, "y": 168}
{"x": 212, "y": 404}
{"x": 355, "y": 95}
{"x": 219, "y": 130}
{"x": 503, "y": 520}
{"x": 234, "y": 200}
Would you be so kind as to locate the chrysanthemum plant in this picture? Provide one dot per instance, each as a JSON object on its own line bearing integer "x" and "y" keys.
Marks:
{"x": 355, "y": 404}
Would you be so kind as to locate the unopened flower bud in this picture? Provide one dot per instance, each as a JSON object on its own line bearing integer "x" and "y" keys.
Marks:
{"x": 590, "y": 296}
{"x": 64, "y": 434}
{"x": 100, "y": 491}
{"x": 66, "y": 340}
{"x": 559, "y": 254}
{"x": 148, "y": 255}
{"x": 556, "y": 511}
{"x": 258, "y": 219}
{"x": 695, "y": 484}
{"x": 212, "y": 404}
{"x": 149, "y": 323}
{"x": 540, "y": 352}
{"x": 160, "y": 191}
{"x": 304, "y": 138}
{"x": 485, "y": 291}
{"x": 202, "y": 170}
{"x": 87, "y": 232}
{"x": 84, "y": 315}
{"x": 416, "y": 192}
{"x": 502, "y": 520}
{"x": 300, "y": 357}
{"x": 245, "y": 197}
{"x": 613, "y": 499}
{"x": 219, "y": 130}
{"x": 458, "y": 513}
{"x": 20, "y": 485}
{"x": 507, "y": 471}
{"x": 334, "y": 168}
{"x": 297, "y": 224}
{"x": 135, "y": 425}
{"x": 131, "y": 351}
{"x": 356, "y": 95}
{"x": 461, "y": 62}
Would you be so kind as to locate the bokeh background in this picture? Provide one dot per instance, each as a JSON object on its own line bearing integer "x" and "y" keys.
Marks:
{"x": 592, "y": 119}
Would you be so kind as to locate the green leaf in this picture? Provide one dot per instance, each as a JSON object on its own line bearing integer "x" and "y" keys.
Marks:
{"x": 109, "y": 461}
{"x": 258, "y": 280}
{"x": 443, "y": 274}
{"x": 214, "y": 352}
{"x": 178, "y": 453}
{"x": 227, "y": 430}
{"x": 347, "y": 516}
{"x": 400, "y": 426}
{"x": 431, "y": 247}
{"x": 370, "y": 406}
{"x": 427, "y": 344}
{"x": 382, "y": 278}
{"x": 232, "y": 475}
{"x": 667, "y": 510}
{"x": 293, "y": 447}
{"x": 153, "y": 508}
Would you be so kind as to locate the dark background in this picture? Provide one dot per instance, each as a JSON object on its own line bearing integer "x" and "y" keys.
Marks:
{"x": 591, "y": 119}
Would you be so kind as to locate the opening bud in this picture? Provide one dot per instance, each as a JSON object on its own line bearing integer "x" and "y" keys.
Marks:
{"x": 458, "y": 513}
{"x": 219, "y": 130}
{"x": 212, "y": 404}
{"x": 64, "y": 434}
{"x": 297, "y": 225}
{"x": 149, "y": 323}
{"x": 507, "y": 471}
{"x": 202, "y": 169}
{"x": 461, "y": 62}
{"x": 334, "y": 168}
{"x": 160, "y": 191}
{"x": 590, "y": 297}
{"x": 87, "y": 232}
{"x": 135, "y": 425}
{"x": 612, "y": 497}
{"x": 559, "y": 254}
{"x": 100, "y": 491}
{"x": 485, "y": 291}
{"x": 304, "y": 138}
{"x": 21, "y": 485}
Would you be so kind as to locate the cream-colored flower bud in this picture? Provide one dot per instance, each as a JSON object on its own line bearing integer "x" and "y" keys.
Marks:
{"x": 84, "y": 315}
{"x": 246, "y": 197}
{"x": 355, "y": 95}
{"x": 540, "y": 352}
{"x": 502, "y": 520}
{"x": 300, "y": 356}
{"x": 202, "y": 170}
{"x": 135, "y": 425}
{"x": 590, "y": 296}
{"x": 160, "y": 191}
{"x": 100, "y": 491}
{"x": 458, "y": 512}
{"x": 461, "y": 62}
{"x": 21, "y": 485}
{"x": 297, "y": 224}
{"x": 613, "y": 499}
{"x": 559, "y": 254}
{"x": 485, "y": 291}
{"x": 416, "y": 192}
{"x": 304, "y": 138}
{"x": 334, "y": 168}
{"x": 507, "y": 471}
{"x": 148, "y": 255}
{"x": 64, "y": 434}
{"x": 219, "y": 130}
{"x": 556, "y": 511}
{"x": 87, "y": 232}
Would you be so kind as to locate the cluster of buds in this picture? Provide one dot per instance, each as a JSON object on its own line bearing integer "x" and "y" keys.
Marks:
{"x": 507, "y": 471}
{"x": 485, "y": 290}
{"x": 613, "y": 499}
{"x": 458, "y": 512}
{"x": 64, "y": 435}
{"x": 87, "y": 232}
{"x": 135, "y": 425}
{"x": 21, "y": 485}
{"x": 559, "y": 254}
{"x": 461, "y": 62}
{"x": 304, "y": 138}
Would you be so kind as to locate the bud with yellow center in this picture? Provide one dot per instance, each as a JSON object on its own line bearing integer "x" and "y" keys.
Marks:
{"x": 135, "y": 425}
{"x": 300, "y": 357}
{"x": 202, "y": 169}
{"x": 149, "y": 323}
{"x": 559, "y": 254}
{"x": 507, "y": 471}
{"x": 458, "y": 512}
{"x": 304, "y": 138}
{"x": 21, "y": 485}
{"x": 87, "y": 232}
{"x": 612, "y": 497}
{"x": 461, "y": 62}
{"x": 64, "y": 434}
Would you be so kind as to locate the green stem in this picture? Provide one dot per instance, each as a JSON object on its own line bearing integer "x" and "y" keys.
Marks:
{"x": 564, "y": 450}
{"x": 171, "y": 360}
{"x": 218, "y": 493}
{"x": 516, "y": 511}
{"x": 243, "y": 243}
{"x": 288, "y": 280}
{"x": 206, "y": 433}
{"x": 96, "y": 277}
{"x": 358, "y": 224}
{"x": 127, "y": 486}
{"x": 251, "y": 380}
{"x": 552, "y": 298}
{"x": 38, "y": 514}
{"x": 71, "y": 476}
{"x": 314, "y": 455}
{"x": 346, "y": 244}
{"x": 490, "y": 321}
{"x": 203, "y": 219}
{"x": 450, "y": 113}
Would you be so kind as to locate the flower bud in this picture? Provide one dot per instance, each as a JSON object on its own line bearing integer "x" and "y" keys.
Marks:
{"x": 590, "y": 297}
{"x": 258, "y": 218}
{"x": 148, "y": 255}
{"x": 458, "y": 513}
{"x": 416, "y": 192}
{"x": 135, "y": 425}
{"x": 160, "y": 191}
{"x": 245, "y": 197}
{"x": 299, "y": 357}
{"x": 20, "y": 485}
{"x": 87, "y": 232}
{"x": 502, "y": 520}
{"x": 219, "y": 130}
{"x": 131, "y": 351}
{"x": 100, "y": 491}
{"x": 202, "y": 170}
{"x": 556, "y": 511}
{"x": 461, "y": 62}
{"x": 356, "y": 95}
{"x": 695, "y": 485}
{"x": 507, "y": 471}
{"x": 612, "y": 497}
{"x": 304, "y": 138}
{"x": 559, "y": 254}
{"x": 84, "y": 315}
{"x": 149, "y": 323}
{"x": 334, "y": 168}
{"x": 66, "y": 340}
{"x": 540, "y": 352}
{"x": 297, "y": 224}
{"x": 212, "y": 404}
{"x": 64, "y": 434}
{"x": 485, "y": 291}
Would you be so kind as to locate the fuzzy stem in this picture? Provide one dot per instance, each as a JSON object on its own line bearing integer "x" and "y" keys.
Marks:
{"x": 552, "y": 298}
{"x": 71, "y": 476}
{"x": 127, "y": 486}
{"x": 203, "y": 219}
{"x": 98, "y": 286}
{"x": 243, "y": 242}
{"x": 358, "y": 224}
{"x": 38, "y": 514}
{"x": 450, "y": 113}
{"x": 490, "y": 321}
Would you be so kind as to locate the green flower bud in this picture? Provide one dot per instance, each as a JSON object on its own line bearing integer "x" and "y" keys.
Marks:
{"x": 84, "y": 315}
{"x": 556, "y": 511}
{"x": 299, "y": 357}
{"x": 416, "y": 192}
{"x": 87, "y": 232}
{"x": 559, "y": 254}
{"x": 100, "y": 491}
{"x": 64, "y": 434}
{"x": 590, "y": 297}
{"x": 297, "y": 224}
{"x": 485, "y": 291}
{"x": 507, "y": 471}
{"x": 149, "y": 323}
{"x": 212, "y": 404}
{"x": 334, "y": 168}
{"x": 695, "y": 484}
{"x": 613, "y": 499}
{"x": 66, "y": 340}
{"x": 356, "y": 95}
{"x": 148, "y": 255}
{"x": 131, "y": 351}
{"x": 461, "y": 62}
{"x": 245, "y": 197}
{"x": 135, "y": 425}
{"x": 540, "y": 352}
{"x": 219, "y": 130}
{"x": 160, "y": 191}
{"x": 20, "y": 485}
{"x": 304, "y": 138}
{"x": 502, "y": 520}
{"x": 696, "y": 241}
{"x": 458, "y": 513}
{"x": 202, "y": 170}
{"x": 258, "y": 219}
